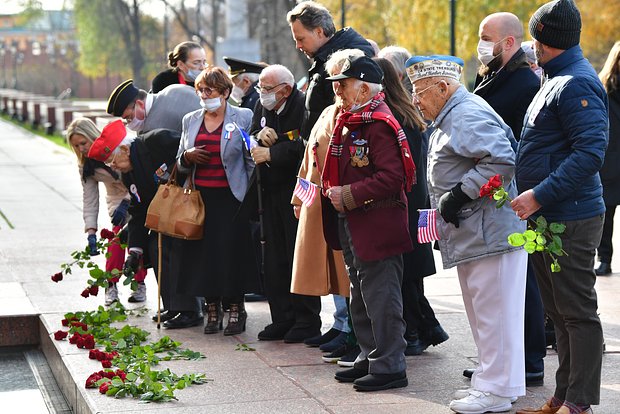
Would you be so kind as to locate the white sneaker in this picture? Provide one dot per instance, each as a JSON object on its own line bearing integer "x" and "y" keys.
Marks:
{"x": 139, "y": 295}
{"x": 478, "y": 402}
{"x": 458, "y": 394}
{"x": 111, "y": 294}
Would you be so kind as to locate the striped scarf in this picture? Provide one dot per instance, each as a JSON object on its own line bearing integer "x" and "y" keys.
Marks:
{"x": 353, "y": 120}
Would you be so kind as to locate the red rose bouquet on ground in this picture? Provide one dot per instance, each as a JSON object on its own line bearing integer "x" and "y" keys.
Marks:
{"x": 539, "y": 237}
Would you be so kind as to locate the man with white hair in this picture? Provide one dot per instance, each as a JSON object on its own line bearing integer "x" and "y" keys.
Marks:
{"x": 276, "y": 123}
{"x": 470, "y": 144}
{"x": 398, "y": 56}
{"x": 366, "y": 170}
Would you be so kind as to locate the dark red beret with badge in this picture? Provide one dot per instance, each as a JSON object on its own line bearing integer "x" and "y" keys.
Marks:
{"x": 111, "y": 136}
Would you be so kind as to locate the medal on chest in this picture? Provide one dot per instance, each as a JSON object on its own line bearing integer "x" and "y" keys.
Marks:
{"x": 358, "y": 151}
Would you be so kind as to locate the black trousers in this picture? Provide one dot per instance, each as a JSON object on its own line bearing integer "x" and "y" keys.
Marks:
{"x": 535, "y": 344}
{"x": 417, "y": 312}
{"x": 605, "y": 249}
{"x": 280, "y": 226}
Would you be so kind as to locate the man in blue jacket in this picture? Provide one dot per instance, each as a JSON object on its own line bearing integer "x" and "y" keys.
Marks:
{"x": 561, "y": 150}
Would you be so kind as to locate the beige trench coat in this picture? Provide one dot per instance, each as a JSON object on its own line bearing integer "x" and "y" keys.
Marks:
{"x": 317, "y": 269}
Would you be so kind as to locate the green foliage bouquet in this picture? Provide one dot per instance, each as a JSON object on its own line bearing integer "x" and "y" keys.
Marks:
{"x": 540, "y": 236}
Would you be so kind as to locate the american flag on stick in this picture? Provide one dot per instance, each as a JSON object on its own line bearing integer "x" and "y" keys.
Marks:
{"x": 305, "y": 191}
{"x": 427, "y": 229}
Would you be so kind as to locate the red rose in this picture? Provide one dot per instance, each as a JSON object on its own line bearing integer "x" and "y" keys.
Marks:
{"x": 88, "y": 341}
{"x": 85, "y": 293}
{"x": 103, "y": 388}
{"x": 60, "y": 335}
{"x": 94, "y": 354}
{"x": 108, "y": 374}
{"x": 495, "y": 181}
{"x": 93, "y": 290}
{"x": 79, "y": 324}
{"x": 80, "y": 342}
{"x": 485, "y": 190}
{"x": 121, "y": 374}
{"x": 74, "y": 338}
{"x": 107, "y": 234}
{"x": 57, "y": 277}
{"x": 91, "y": 381}
{"x": 106, "y": 364}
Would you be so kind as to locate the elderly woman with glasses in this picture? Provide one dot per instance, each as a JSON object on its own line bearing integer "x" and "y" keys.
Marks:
{"x": 221, "y": 266}
{"x": 80, "y": 136}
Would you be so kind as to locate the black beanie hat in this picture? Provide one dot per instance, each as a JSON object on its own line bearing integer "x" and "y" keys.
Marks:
{"x": 557, "y": 24}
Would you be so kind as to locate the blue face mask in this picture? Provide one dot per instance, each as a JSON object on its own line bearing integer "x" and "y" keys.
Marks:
{"x": 192, "y": 74}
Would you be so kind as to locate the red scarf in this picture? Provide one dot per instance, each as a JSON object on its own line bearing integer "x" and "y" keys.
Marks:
{"x": 353, "y": 120}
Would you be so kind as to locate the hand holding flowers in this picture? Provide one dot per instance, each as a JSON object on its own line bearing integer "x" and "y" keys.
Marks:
{"x": 540, "y": 236}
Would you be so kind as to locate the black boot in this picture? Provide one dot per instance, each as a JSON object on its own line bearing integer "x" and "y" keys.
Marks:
{"x": 603, "y": 269}
{"x": 215, "y": 317}
{"x": 236, "y": 319}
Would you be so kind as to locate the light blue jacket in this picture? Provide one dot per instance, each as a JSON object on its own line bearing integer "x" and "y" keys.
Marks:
{"x": 471, "y": 144}
{"x": 236, "y": 160}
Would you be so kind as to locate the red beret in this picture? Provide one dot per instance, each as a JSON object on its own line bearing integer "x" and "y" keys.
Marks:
{"x": 111, "y": 136}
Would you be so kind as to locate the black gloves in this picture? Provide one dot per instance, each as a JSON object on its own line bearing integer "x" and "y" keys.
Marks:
{"x": 132, "y": 263}
{"x": 92, "y": 244}
{"x": 120, "y": 214}
{"x": 450, "y": 203}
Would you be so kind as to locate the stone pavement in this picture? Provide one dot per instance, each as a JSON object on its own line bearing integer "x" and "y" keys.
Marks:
{"x": 41, "y": 223}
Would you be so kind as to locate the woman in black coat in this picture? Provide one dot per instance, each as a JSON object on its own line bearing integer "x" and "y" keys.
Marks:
{"x": 186, "y": 62}
{"x": 610, "y": 173}
{"x": 423, "y": 329}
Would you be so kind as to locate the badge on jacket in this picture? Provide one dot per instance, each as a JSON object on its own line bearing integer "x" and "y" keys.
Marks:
{"x": 358, "y": 151}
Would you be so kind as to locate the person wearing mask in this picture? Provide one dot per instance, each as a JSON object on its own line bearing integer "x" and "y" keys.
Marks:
{"x": 610, "y": 172}
{"x": 144, "y": 111}
{"x": 422, "y": 327}
{"x": 277, "y": 119}
{"x": 222, "y": 265}
{"x": 186, "y": 61}
{"x": 561, "y": 151}
{"x": 507, "y": 83}
{"x": 244, "y": 76}
{"x": 81, "y": 133}
{"x": 140, "y": 160}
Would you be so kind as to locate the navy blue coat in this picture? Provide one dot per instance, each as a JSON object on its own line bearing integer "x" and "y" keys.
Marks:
{"x": 564, "y": 138}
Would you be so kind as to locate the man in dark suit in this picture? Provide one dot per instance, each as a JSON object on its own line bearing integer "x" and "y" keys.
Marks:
{"x": 142, "y": 161}
{"x": 277, "y": 119}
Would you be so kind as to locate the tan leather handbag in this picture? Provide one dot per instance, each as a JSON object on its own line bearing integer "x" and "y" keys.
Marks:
{"x": 177, "y": 211}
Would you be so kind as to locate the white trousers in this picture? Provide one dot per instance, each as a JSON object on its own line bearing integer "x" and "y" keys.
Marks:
{"x": 493, "y": 291}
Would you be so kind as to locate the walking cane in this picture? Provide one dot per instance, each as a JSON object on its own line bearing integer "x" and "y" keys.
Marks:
{"x": 159, "y": 236}
{"x": 261, "y": 224}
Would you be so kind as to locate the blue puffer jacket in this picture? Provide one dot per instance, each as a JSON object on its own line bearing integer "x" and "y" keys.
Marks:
{"x": 563, "y": 141}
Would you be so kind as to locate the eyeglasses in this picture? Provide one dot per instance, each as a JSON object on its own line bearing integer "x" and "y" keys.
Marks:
{"x": 110, "y": 162}
{"x": 262, "y": 89}
{"x": 417, "y": 95}
{"x": 205, "y": 91}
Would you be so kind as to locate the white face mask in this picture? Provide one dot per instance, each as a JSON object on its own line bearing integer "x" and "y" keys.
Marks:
{"x": 539, "y": 72}
{"x": 237, "y": 94}
{"x": 135, "y": 124}
{"x": 485, "y": 51}
{"x": 268, "y": 100}
{"x": 355, "y": 106}
{"x": 211, "y": 104}
{"x": 192, "y": 74}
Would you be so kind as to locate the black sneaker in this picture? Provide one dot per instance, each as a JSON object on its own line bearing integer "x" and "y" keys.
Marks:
{"x": 322, "y": 339}
{"x": 348, "y": 360}
{"x": 334, "y": 356}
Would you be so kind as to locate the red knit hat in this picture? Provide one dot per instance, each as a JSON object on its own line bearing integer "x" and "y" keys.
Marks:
{"x": 111, "y": 136}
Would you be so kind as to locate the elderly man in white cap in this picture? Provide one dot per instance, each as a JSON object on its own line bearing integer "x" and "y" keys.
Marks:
{"x": 471, "y": 144}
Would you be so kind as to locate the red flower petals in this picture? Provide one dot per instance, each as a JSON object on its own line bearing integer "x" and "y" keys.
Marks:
{"x": 57, "y": 277}
{"x": 107, "y": 234}
{"x": 103, "y": 388}
{"x": 85, "y": 293}
{"x": 93, "y": 290}
{"x": 60, "y": 335}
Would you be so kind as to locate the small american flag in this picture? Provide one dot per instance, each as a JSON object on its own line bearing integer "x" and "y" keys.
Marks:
{"x": 305, "y": 191}
{"x": 427, "y": 231}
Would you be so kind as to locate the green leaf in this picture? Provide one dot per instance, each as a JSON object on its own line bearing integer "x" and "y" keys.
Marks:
{"x": 501, "y": 203}
{"x": 541, "y": 222}
{"x": 117, "y": 382}
{"x": 530, "y": 247}
{"x": 516, "y": 239}
{"x": 557, "y": 228}
{"x": 555, "y": 267}
{"x": 540, "y": 248}
{"x": 131, "y": 377}
{"x": 530, "y": 235}
{"x": 96, "y": 272}
{"x": 541, "y": 239}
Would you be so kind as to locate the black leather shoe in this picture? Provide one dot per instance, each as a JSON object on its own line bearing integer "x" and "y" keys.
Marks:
{"x": 166, "y": 315}
{"x": 255, "y": 297}
{"x": 297, "y": 335}
{"x": 378, "y": 382}
{"x": 435, "y": 336}
{"x": 603, "y": 269}
{"x": 415, "y": 347}
{"x": 274, "y": 332}
{"x": 534, "y": 379}
{"x": 469, "y": 372}
{"x": 322, "y": 339}
{"x": 350, "y": 374}
{"x": 184, "y": 320}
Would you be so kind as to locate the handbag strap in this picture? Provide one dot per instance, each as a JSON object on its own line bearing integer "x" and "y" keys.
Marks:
{"x": 173, "y": 178}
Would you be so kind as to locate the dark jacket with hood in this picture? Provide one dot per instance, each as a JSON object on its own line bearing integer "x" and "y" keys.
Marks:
{"x": 320, "y": 94}
{"x": 510, "y": 90}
